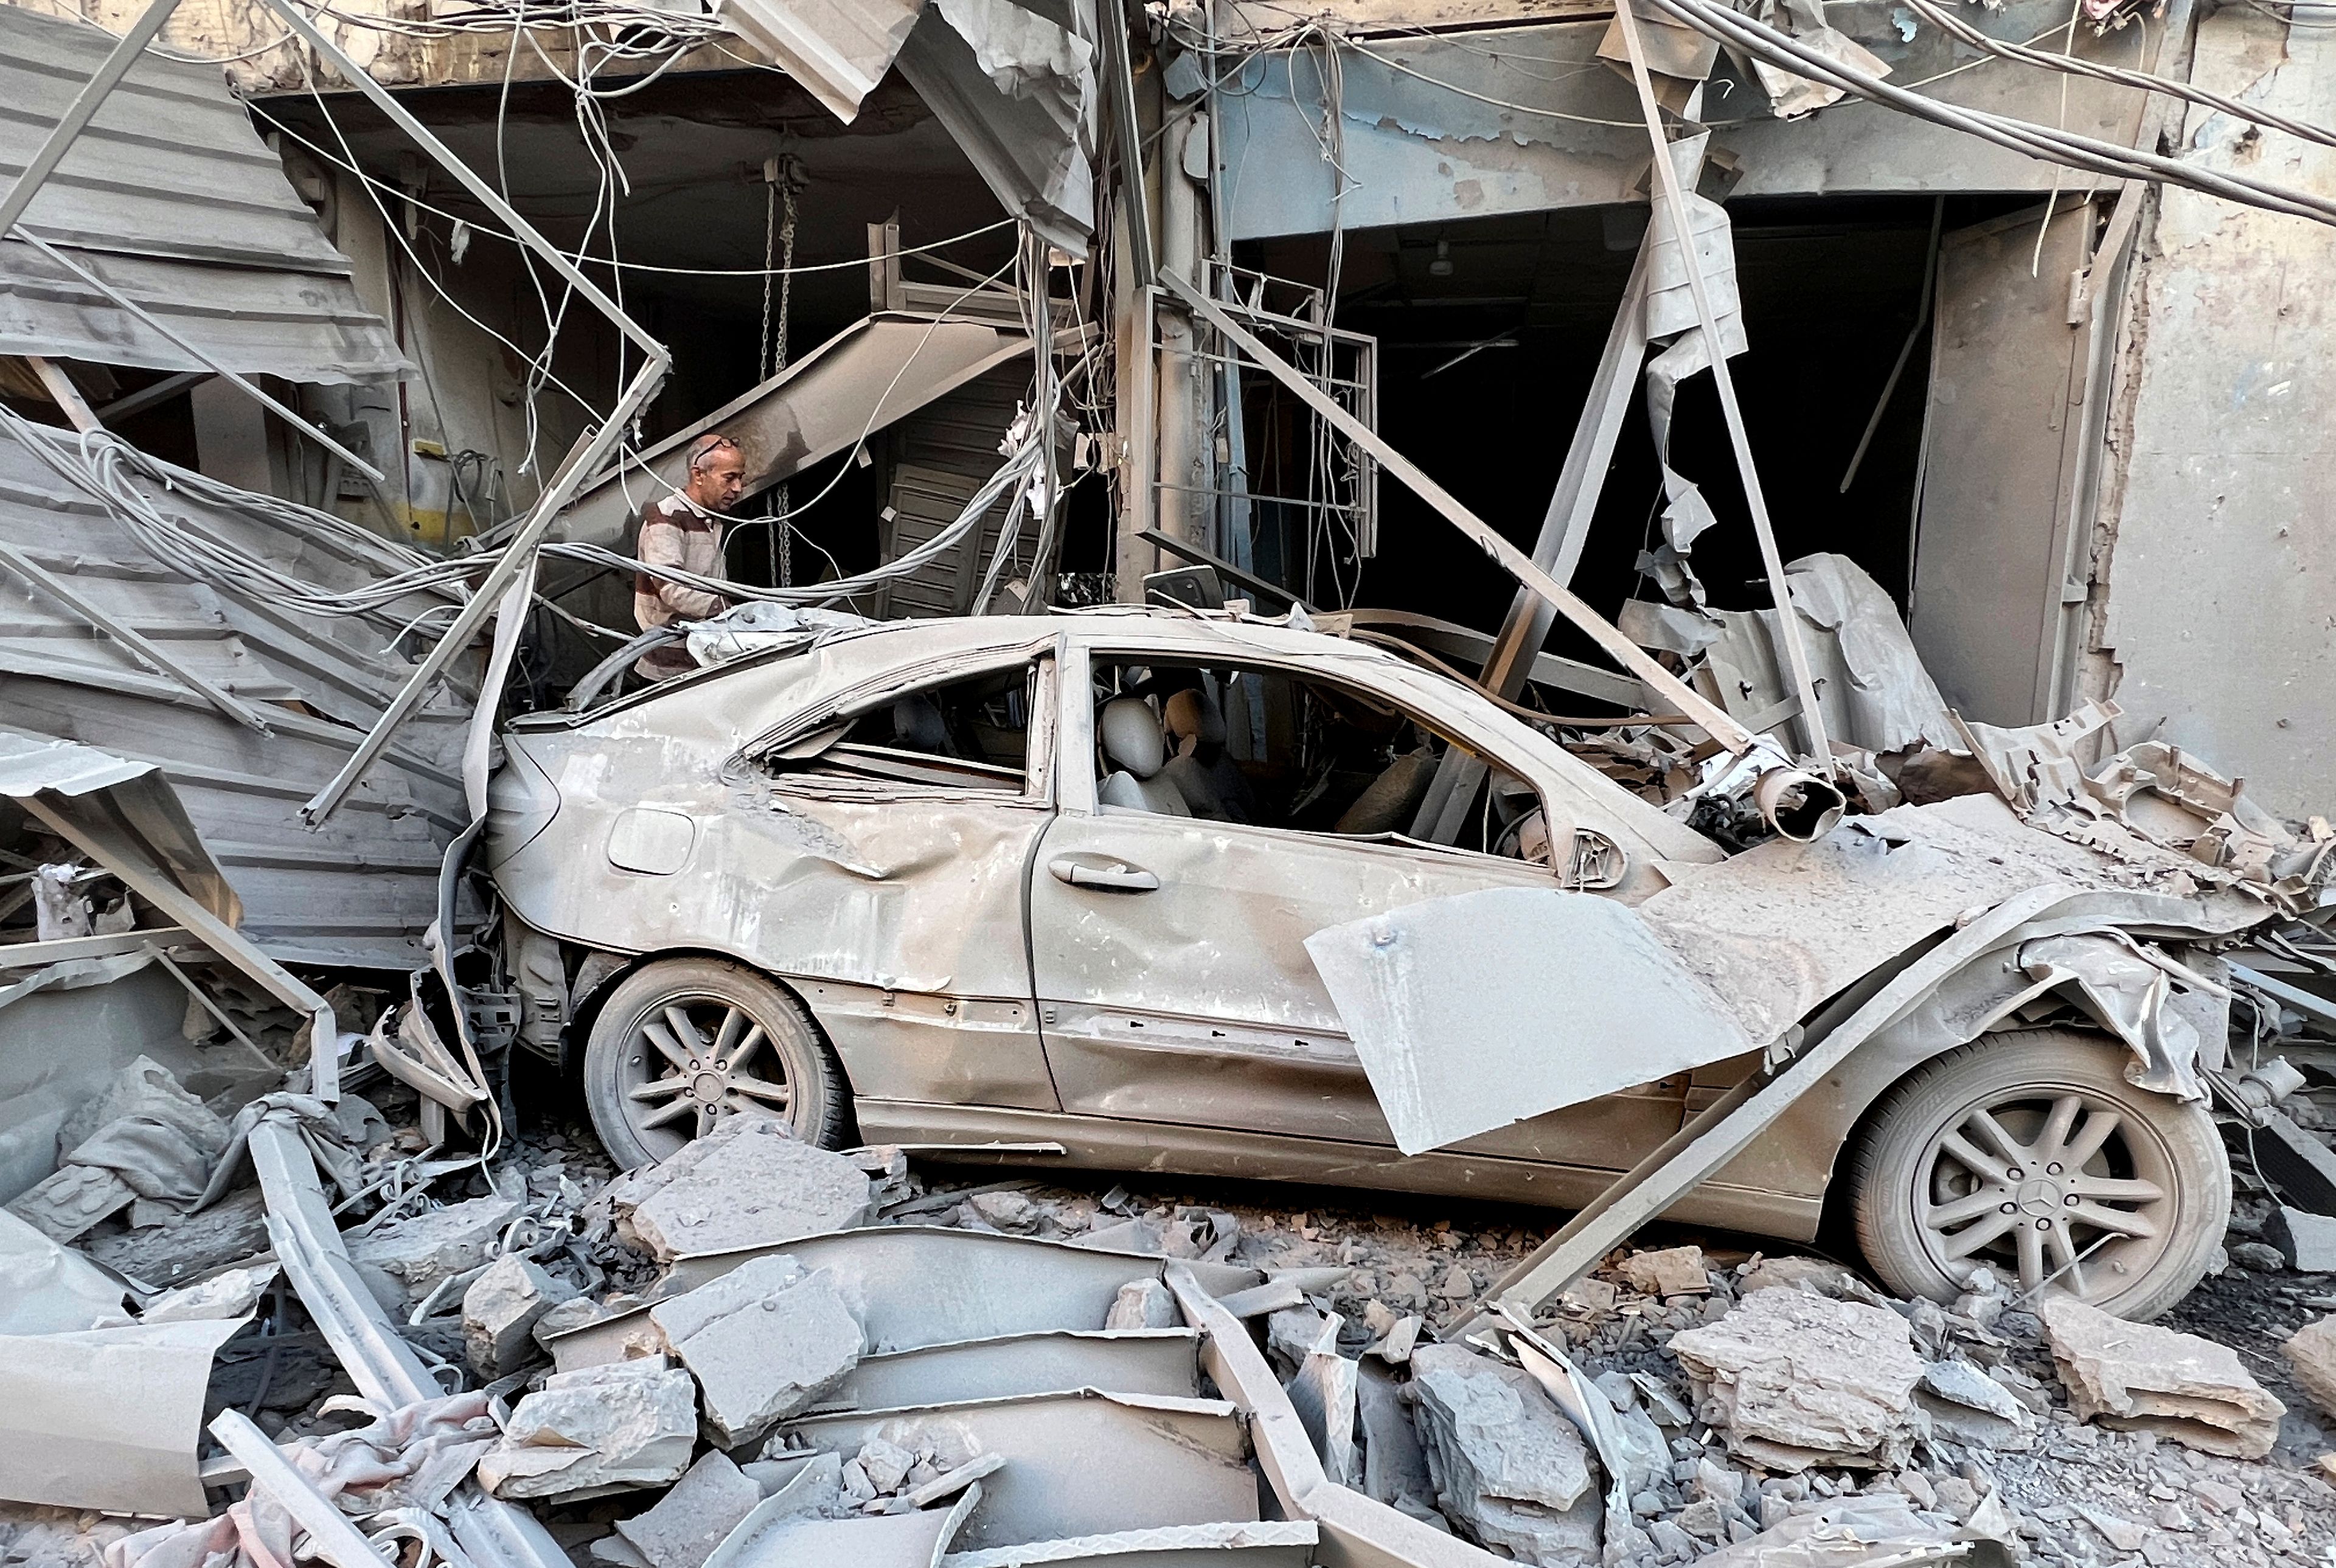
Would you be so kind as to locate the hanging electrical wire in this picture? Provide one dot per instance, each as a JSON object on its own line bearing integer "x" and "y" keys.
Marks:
{"x": 2075, "y": 152}
{"x": 2069, "y": 65}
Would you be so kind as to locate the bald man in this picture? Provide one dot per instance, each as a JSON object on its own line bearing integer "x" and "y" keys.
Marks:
{"x": 685, "y": 530}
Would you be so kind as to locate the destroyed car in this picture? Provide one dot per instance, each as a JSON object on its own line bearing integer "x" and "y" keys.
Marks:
{"x": 1107, "y": 889}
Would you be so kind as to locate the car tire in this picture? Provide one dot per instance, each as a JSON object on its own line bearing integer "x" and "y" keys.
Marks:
{"x": 1957, "y": 1167}
{"x": 752, "y": 1047}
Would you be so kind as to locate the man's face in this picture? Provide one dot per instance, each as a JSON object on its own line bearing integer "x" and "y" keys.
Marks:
{"x": 721, "y": 474}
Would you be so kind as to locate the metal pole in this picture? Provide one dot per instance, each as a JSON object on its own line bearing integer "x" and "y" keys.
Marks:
{"x": 1737, "y": 740}
{"x": 516, "y": 556}
{"x": 1111, "y": 23}
{"x": 214, "y": 367}
{"x": 1565, "y": 526}
{"x": 1667, "y": 191}
{"x": 81, "y": 110}
{"x": 483, "y": 192}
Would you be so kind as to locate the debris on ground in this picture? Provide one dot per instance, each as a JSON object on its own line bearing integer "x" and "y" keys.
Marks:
{"x": 749, "y": 1183}
{"x": 2144, "y": 1377}
{"x": 597, "y": 1429}
{"x": 759, "y": 1348}
{"x": 1792, "y": 1379}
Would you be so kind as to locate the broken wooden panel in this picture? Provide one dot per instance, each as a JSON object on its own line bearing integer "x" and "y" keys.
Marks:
{"x": 939, "y": 457}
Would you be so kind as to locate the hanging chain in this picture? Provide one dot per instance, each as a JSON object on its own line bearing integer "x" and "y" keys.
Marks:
{"x": 770, "y": 231}
{"x": 782, "y": 533}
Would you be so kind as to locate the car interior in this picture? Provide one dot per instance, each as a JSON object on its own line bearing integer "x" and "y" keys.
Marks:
{"x": 967, "y": 733}
{"x": 1272, "y": 749}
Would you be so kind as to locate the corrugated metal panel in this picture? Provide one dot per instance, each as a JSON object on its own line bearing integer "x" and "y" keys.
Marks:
{"x": 837, "y": 51}
{"x": 360, "y": 889}
{"x": 940, "y": 456}
{"x": 172, "y": 196}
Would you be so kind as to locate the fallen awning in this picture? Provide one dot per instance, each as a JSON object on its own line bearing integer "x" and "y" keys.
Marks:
{"x": 1017, "y": 90}
{"x": 171, "y": 197}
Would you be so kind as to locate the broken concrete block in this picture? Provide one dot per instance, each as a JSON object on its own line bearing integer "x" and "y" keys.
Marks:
{"x": 71, "y": 1199}
{"x": 2310, "y": 1353}
{"x": 749, "y": 1183}
{"x": 1877, "y": 1527}
{"x": 419, "y": 1251}
{"x": 1008, "y": 1209}
{"x": 1788, "y": 1273}
{"x": 1510, "y": 1470}
{"x": 1143, "y": 1304}
{"x": 1396, "y": 1345}
{"x": 1673, "y": 1271}
{"x": 562, "y": 1316}
{"x": 1794, "y": 1380}
{"x": 2144, "y": 1377}
{"x": 1394, "y": 1469}
{"x": 765, "y": 1340}
{"x": 598, "y": 1430}
{"x": 690, "y": 1521}
{"x": 1967, "y": 1404}
{"x": 1323, "y": 1394}
{"x": 2306, "y": 1241}
{"x": 499, "y": 1311}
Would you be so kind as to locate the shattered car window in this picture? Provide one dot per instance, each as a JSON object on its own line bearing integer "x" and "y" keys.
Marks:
{"x": 1267, "y": 747}
{"x": 970, "y": 733}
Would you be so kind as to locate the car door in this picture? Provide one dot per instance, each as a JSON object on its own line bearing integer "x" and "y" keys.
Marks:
{"x": 881, "y": 858}
{"x": 1174, "y": 986}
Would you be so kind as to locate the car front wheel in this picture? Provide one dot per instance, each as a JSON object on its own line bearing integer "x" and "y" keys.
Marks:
{"x": 2026, "y": 1152}
{"x": 681, "y": 1042}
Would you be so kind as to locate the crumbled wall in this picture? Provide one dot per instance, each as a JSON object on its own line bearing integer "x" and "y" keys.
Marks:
{"x": 2218, "y": 563}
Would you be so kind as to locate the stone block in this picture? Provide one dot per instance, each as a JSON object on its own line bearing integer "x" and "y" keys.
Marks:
{"x": 749, "y": 1183}
{"x": 763, "y": 1341}
{"x": 598, "y": 1430}
{"x": 2147, "y": 1379}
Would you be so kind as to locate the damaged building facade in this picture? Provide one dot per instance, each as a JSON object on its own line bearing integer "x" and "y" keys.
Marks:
{"x": 1705, "y": 614}
{"x": 2058, "y": 412}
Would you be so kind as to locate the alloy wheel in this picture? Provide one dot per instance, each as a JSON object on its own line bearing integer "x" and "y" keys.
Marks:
{"x": 2056, "y": 1187}
{"x": 690, "y": 1059}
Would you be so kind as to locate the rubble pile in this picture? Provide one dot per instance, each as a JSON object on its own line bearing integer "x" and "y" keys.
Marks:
{"x": 759, "y": 1349}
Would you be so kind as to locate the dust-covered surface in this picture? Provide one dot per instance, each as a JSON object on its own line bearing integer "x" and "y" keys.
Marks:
{"x": 1944, "y": 1425}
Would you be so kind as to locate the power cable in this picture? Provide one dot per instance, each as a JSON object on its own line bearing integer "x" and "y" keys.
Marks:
{"x": 2064, "y": 146}
{"x": 2144, "y": 81}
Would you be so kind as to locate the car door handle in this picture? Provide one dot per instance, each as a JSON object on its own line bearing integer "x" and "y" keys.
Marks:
{"x": 1117, "y": 877}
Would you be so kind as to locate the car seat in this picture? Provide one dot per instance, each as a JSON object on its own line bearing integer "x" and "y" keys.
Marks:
{"x": 1136, "y": 751}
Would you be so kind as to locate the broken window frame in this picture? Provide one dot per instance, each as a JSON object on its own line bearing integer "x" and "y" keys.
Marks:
{"x": 809, "y": 735}
{"x": 1075, "y": 738}
{"x": 1241, "y": 293}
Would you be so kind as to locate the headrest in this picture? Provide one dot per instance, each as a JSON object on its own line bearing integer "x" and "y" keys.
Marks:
{"x": 917, "y": 724}
{"x": 1193, "y": 714}
{"x": 1131, "y": 736}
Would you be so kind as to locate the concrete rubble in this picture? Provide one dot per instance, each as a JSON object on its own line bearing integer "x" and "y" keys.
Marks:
{"x": 595, "y": 1430}
{"x": 2310, "y": 1353}
{"x": 763, "y": 1341}
{"x": 2145, "y": 1378}
{"x": 748, "y": 1184}
{"x": 427, "y": 1044}
{"x": 1509, "y": 1470}
{"x": 500, "y": 1309}
{"x": 1796, "y": 1379}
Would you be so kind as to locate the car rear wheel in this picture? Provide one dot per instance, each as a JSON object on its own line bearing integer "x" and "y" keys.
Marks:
{"x": 683, "y": 1042}
{"x": 2028, "y": 1152}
